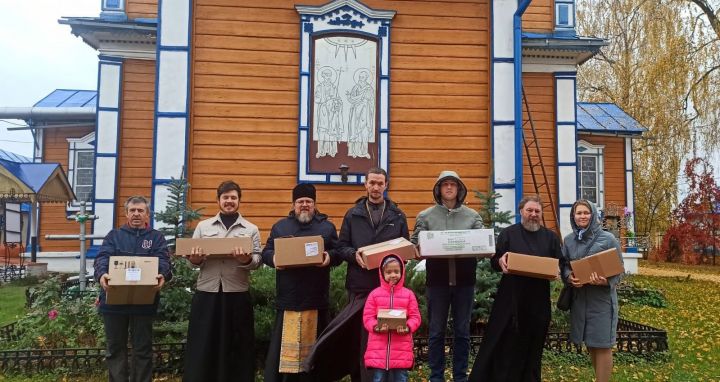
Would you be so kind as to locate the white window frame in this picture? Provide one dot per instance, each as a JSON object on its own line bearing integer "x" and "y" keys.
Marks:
{"x": 586, "y": 149}
{"x": 559, "y": 4}
{"x": 76, "y": 145}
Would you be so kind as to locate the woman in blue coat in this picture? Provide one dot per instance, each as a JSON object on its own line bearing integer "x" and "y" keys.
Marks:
{"x": 594, "y": 309}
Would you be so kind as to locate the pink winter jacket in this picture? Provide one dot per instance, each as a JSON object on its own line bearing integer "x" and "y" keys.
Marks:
{"x": 390, "y": 350}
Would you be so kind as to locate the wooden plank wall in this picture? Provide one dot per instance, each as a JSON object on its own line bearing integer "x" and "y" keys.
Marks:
{"x": 245, "y": 103}
{"x": 614, "y": 166}
{"x": 52, "y": 215}
{"x": 539, "y": 89}
{"x": 136, "y": 137}
{"x": 540, "y": 16}
{"x": 141, "y": 9}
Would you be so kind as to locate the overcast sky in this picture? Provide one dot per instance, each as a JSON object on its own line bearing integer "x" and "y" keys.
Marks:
{"x": 39, "y": 55}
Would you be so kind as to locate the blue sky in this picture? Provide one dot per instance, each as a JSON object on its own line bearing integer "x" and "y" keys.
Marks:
{"x": 40, "y": 55}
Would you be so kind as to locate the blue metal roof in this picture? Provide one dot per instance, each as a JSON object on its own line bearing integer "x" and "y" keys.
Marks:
{"x": 12, "y": 157}
{"x": 606, "y": 118}
{"x": 69, "y": 98}
{"x": 34, "y": 175}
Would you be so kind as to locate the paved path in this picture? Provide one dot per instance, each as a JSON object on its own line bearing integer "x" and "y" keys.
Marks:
{"x": 675, "y": 273}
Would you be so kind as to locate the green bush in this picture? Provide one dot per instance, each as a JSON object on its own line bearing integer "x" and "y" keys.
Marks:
{"x": 485, "y": 289}
{"x": 176, "y": 296}
{"x": 338, "y": 294}
{"x": 415, "y": 281}
{"x": 637, "y": 293}
{"x": 55, "y": 322}
{"x": 262, "y": 292}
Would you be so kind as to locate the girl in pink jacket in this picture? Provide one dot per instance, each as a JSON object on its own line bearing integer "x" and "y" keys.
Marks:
{"x": 390, "y": 350}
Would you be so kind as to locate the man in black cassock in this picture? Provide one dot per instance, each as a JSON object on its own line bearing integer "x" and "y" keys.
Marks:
{"x": 303, "y": 293}
{"x": 512, "y": 346}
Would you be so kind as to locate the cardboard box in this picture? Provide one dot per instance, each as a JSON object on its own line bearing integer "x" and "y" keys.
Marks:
{"x": 457, "y": 243}
{"x": 214, "y": 246}
{"x": 132, "y": 280}
{"x": 532, "y": 266}
{"x": 606, "y": 263}
{"x": 373, "y": 254}
{"x": 392, "y": 317}
{"x": 299, "y": 251}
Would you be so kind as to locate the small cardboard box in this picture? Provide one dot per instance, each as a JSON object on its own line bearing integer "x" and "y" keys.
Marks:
{"x": 374, "y": 253}
{"x": 392, "y": 317}
{"x": 532, "y": 266}
{"x": 457, "y": 243}
{"x": 214, "y": 246}
{"x": 299, "y": 251}
{"x": 606, "y": 263}
{"x": 132, "y": 280}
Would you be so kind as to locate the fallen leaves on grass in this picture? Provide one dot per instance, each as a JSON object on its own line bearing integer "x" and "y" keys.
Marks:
{"x": 691, "y": 321}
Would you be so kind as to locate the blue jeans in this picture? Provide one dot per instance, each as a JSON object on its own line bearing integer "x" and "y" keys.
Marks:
{"x": 397, "y": 375}
{"x": 440, "y": 300}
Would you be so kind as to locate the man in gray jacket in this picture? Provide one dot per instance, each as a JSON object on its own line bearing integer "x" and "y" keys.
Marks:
{"x": 450, "y": 282}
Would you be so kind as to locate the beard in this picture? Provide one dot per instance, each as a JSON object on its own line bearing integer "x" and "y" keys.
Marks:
{"x": 304, "y": 216}
{"x": 530, "y": 225}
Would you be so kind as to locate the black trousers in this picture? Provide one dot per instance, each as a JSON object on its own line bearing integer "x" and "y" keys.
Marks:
{"x": 117, "y": 327}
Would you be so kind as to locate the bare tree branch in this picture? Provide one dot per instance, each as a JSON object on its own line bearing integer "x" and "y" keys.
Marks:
{"x": 698, "y": 82}
{"x": 712, "y": 15}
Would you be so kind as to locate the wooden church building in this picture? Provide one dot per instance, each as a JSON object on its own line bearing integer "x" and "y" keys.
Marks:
{"x": 273, "y": 92}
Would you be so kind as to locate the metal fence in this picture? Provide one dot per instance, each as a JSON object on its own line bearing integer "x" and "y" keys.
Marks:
{"x": 632, "y": 338}
{"x": 167, "y": 359}
{"x": 10, "y": 272}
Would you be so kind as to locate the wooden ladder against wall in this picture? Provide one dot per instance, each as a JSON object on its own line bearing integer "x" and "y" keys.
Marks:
{"x": 540, "y": 180}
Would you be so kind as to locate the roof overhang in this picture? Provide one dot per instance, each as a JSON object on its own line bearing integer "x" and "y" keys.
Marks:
{"x": 49, "y": 186}
{"x": 117, "y": 38}
{"x": 624, "y": 134}
{"x": 559, "y": 49}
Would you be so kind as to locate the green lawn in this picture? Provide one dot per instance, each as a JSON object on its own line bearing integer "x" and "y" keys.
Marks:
{"x": 693, "y": 326}
{"x": 12, "y": 303}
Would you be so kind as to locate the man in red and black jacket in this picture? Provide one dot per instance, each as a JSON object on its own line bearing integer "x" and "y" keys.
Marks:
{"x": 132, "y": 239}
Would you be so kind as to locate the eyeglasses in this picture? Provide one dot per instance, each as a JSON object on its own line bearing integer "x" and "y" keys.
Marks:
{"x": 301, "y": 202}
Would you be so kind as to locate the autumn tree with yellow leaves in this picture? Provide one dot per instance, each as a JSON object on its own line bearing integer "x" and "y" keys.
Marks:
{"x": 661, "y": 66}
